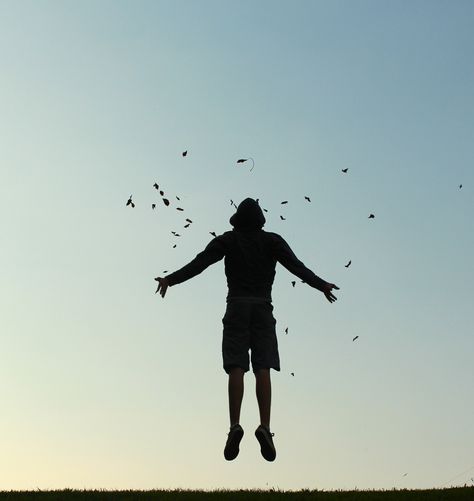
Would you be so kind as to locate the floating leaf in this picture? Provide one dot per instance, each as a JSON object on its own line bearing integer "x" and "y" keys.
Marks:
{"x": 242, "y": 160}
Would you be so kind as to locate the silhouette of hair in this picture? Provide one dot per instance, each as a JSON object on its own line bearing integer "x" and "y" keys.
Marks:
{"x": 249, "y": 216}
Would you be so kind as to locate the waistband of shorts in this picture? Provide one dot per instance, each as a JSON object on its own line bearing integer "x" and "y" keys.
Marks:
{"x": 248, "y": 299}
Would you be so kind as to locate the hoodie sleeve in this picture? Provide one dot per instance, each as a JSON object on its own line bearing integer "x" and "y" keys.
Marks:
{"x": 213, "y": 252}
{"x": 286, "y": 257}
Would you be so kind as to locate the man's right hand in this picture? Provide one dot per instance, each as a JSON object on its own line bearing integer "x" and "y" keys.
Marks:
{"x": 162, "y": 286}
{"x": 327, "y": 291}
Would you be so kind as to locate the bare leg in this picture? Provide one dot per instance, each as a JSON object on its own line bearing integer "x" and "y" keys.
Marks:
{"x": 236, "y": 393}
{"x": 264, "y": 395}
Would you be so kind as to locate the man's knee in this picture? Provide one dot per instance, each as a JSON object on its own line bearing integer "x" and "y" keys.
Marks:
{"x": 262, "y": 373}
{"x": 236, "y": 371}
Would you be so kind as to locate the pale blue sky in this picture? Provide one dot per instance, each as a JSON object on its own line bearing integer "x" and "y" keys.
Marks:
{"x": 103, "y": 383}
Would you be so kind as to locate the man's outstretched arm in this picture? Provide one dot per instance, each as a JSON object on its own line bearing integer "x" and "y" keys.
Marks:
{"x": 287, "y": 258}
{"x": 213, "y": 252}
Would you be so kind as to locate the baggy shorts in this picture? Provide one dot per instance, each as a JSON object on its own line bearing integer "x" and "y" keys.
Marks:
{"x": 249, "y": 326}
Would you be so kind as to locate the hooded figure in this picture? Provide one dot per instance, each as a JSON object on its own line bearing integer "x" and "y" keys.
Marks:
{"x": 250, "y": 257}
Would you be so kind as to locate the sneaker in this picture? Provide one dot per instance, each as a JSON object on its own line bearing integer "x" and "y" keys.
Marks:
{"x": 234, "y": 437}
{"x": 264, "y": 437}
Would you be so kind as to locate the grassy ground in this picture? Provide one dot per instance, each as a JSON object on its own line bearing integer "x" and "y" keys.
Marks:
{"x": 453, "y": 494}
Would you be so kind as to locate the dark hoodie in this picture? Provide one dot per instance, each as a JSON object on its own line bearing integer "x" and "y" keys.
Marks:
{"x": 250, "y": 255}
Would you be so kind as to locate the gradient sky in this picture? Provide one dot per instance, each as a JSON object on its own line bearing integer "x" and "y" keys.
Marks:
{"x": 105, "y": 384}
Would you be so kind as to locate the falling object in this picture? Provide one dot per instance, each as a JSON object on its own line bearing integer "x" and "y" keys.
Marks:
{"x": 213, "y": 233}
{"x": 185, "y": 153}
{"x": 292, "y": 373}
{"x": 371, "y": 216}
{"x": 286, "y": 330}
{"x": 354, "y": 338}
{"x": 293, "y": 283}
{"x": 156, "y": 186}
{"x": 348, "y": 264}
{"x": 242, "y": 160}
{"x": 307, "y": 198}
{"x": 282, "y": 218}
{"x": 166, "y": 201}
{"x": 188, "y": 220}
{"x": 284, "y": 202}
{"x": 129, "y": 202}
{"x": 345, "y": 170}
{"x": 153, "y": 206}
{"x": 179, "y": 208}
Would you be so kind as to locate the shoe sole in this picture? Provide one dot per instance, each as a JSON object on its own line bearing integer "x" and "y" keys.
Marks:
{"x": 232, "y": 450}
{"x": 268, "y": 452}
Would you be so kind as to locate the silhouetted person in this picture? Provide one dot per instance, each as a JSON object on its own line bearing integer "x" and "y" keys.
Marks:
{"x": 250, "y": 256}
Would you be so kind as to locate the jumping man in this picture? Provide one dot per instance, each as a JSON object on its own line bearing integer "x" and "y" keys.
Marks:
{"x": 250, "y": 256}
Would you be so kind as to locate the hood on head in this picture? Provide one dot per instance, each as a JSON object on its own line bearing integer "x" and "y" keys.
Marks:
{"x": 249, "y": 216}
